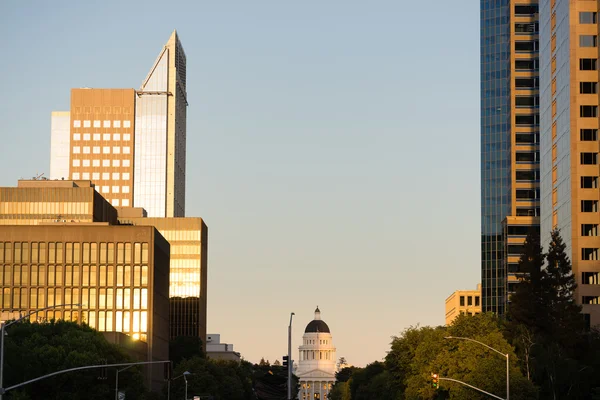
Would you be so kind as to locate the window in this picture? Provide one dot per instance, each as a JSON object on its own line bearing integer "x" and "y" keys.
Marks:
{"x": 525, "y": 157}
{"x": 126, "y": 150}
{"x": 76, "y": 136}
{"x": 96, "y": 124}
{"x": 588, "y": 41}
{"x": 106, "y": 163}
{"x": 76, "y": 162}
{"x": 85, "y": 176}
{"x": 126, "y": 136}
{"x": 589, "y": 182}
{"x": 126, "y": 163}
{"x": 125, "y": 202}
{"x": 116, "y": 136}
{"x": 106, "y": 136}
{"x": 588, "y": 64}
{"x": 106, "y": 124}
{"x": 526, "y": 65}
{"x": 96, "y": 136}
{"x": 588, "y": 87}
{"x": 588, "y": 135}
{"x": 527, "y": 10}
{"x": 125, "y": 189}
{"x": 86, "y": 149}
{"x": 527, "y": 101}
{"x": 588, "y": 17}
{"x": 527, "y": 175}
{"x": 96, "y": 176}
{"x": 106, "y": 150}
{"x": 75, "y": 175}
{"x": 126, "y": 124}
{"x": 590, "y": 300}
{"x": 526, "y": 194}
{"x": 590, "y": 278}
{"x": 527, "y": 83}
{"x": 462, "y": 301}
{"x": 87, "y": 124}
{"x": 116, "y": 150}
{"x": 116, "y": 163}
{"x": 515, "y": 249}
{"x": 589, "y": 158}
{"x": 527, "y": 138}
{"x": 115, "y": 176}
{"x": 589, "y": 205}
{"x": 116, "y": 124}
{"x": 589, "y": 230}
{"x": 528, "y": 212}
{"x": 76, "y": 149}
{"x": 125, "y": 176}
{"x": 96, "y": 150}
{"x": 105, "y": 176}
{"x": 95, "y": 163}
{"x": 86, "y": 136}
{"x": 526, "y": 119}
{"x": 476, "y": 301}
{"x": 115, "y": 189}
{"x": 470, "y": 300}
{"x": 526, "y": 46}
{"x": 588, "y": 111}
{"x": 528, "y": 27}
{"x": 115, "y": 202}
{"x": 589, "y": 253}
{"x": 76, "y": 123}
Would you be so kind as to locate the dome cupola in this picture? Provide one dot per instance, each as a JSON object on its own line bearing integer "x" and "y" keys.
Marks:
{"x": 317, "y": 325}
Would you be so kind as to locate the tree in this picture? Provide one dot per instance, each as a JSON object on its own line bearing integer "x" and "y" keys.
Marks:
{"x": 185, "y": 347}
{"x": 277, "y": 363}
{"x": 37, "y": 349}
{"x": 264, "y": 363}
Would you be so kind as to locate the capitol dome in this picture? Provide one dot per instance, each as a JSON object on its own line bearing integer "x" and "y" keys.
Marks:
{"x": 317, "y": 325}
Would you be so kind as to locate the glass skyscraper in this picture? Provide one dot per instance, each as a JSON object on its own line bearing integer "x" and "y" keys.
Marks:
{"x": 509, "y": 142}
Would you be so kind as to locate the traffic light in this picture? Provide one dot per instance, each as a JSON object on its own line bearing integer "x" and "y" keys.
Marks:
{"x": 435, "y": 381}
{"x": 285, "y": 361}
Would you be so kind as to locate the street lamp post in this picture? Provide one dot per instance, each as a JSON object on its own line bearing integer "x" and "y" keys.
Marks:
{"x": 290, "y": 362}
{"x": 185, "y": 374}
{"x": 493, "y": 349}
{"x": 117, "y": 381}
{"x": 3, "y": 332}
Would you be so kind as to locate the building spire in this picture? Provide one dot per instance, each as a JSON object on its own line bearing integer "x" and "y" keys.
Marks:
{"x": 317, "y": 313}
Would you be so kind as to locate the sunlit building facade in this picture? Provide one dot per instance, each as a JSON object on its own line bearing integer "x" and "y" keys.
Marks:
{"x": 510, "y": 205}
{"x": 188, "y": 271}
{"x": 467, "y": 302}
{"x": 130, "y": 143}
{"x": 569, "y": 140}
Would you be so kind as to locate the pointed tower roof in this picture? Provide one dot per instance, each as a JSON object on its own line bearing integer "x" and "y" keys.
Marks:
{"x": 317, "y": 325}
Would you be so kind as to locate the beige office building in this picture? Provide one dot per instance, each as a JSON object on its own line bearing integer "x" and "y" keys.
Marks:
{"x": 463, "y": 302}
{"x": 570, "y": 167}
{"x": 130, "y": 143}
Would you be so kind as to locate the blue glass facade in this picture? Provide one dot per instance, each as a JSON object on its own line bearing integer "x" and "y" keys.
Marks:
{"x": 496, "y": 187}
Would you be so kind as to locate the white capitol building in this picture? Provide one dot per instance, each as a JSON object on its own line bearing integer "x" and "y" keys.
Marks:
{"x": 317, "y": 362}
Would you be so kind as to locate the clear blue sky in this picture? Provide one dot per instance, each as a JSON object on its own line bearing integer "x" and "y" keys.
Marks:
{"x": 333, "y": 148}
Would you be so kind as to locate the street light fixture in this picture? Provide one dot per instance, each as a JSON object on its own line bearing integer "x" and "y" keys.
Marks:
{"x": 290, "y": 362}
{"x": 3, "y": 332}
{"x": 493, "y": 349}
{"x": 185, "y": 374}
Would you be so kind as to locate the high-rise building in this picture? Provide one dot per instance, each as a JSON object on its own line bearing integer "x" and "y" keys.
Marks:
{"x": 569, "y": 139}
{"x": 130, "y": 143}
{"x": 463, "y": 302}
{"x": 509, "y": 142}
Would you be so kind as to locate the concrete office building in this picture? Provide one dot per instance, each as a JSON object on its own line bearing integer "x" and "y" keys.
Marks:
{"x": 130, "y": 143}
{"x": 216, "y": 350}
{"x": 118, "y": 275}
{"x": 569, "y": 139}
{"x": 463, "y": 302}
{"x": 510, "y": 205}
{"x": 188, "y": 269}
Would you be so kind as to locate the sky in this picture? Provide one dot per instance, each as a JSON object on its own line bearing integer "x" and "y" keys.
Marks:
{"x": 332, "y": 149}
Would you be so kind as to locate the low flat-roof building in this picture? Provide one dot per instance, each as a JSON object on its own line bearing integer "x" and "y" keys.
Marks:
{"x": 463, "y": 302}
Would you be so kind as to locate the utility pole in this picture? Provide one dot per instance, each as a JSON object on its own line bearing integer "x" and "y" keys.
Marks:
{"x": 290, "y": 362}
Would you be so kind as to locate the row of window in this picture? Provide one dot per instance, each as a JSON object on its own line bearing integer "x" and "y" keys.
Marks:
{"x": 105, "y": 150}
{"x": 121, "y": 299}
{"x": 101, "y": 124}
{"x": 115, "y": 176}
{"x": 469, "y": 300}
{"x": 74, "y": 275}
{"x": 73, "y": 253}
{"x": 105, "y": 163}
{"x": 105, "y": 136}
